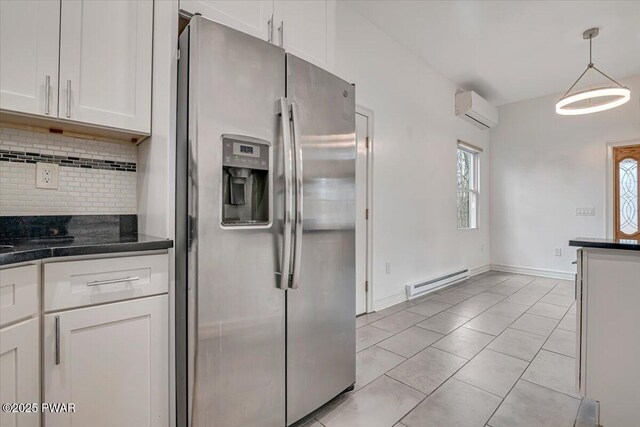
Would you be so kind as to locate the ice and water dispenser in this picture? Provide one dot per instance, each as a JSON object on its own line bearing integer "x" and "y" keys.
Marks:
{"x": 245, "y": 181}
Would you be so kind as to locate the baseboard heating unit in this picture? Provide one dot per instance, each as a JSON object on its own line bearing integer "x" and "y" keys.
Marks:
{"x": 419, "y": 288}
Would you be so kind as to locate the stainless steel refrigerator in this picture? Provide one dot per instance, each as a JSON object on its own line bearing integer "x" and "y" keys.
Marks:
{"x": 265, "y": 234}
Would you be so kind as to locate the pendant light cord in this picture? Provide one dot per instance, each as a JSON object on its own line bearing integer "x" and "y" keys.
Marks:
{"x": 590, "y": 65}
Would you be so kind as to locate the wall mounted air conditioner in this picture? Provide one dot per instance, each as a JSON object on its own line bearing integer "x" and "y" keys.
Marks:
{"x": 476, "y": 110}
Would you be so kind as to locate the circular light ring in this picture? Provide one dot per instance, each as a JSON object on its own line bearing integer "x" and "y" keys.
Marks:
{"x": 623, "y": 93}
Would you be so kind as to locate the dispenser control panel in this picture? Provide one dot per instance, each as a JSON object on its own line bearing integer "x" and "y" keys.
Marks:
{"x": 245, "y": 154}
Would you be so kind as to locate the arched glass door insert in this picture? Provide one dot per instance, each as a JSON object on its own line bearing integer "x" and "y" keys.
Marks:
{"x": 626, "y": 183}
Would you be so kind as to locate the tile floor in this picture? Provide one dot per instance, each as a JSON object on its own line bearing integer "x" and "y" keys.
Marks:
{"x": 497, "y": 350}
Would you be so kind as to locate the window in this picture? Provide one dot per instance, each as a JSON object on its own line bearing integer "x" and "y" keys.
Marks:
{"x": 468, "y": 164}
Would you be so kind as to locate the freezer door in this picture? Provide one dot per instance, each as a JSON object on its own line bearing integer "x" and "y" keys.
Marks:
{"x": 321, "y": 310}
{"x": 236, "y": 308}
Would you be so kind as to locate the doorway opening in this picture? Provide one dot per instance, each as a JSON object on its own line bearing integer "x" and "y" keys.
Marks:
{"x": 364, "y": 168}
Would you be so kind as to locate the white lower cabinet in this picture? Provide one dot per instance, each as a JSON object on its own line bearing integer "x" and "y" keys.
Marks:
{"x": 20, "y": 372}
{"x": 111, "y": 362}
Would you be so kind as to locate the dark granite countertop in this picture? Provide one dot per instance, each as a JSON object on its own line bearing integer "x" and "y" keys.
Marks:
{"x": 38, "y": 237}
{"x": 587, "y": 242}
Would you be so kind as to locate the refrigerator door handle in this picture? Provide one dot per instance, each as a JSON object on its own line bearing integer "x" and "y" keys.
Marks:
{"x": 288, "y": 193}
{"x": 297, "y": 256}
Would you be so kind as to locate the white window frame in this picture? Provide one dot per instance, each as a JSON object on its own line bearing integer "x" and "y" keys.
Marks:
{"x": 474, "y": 187}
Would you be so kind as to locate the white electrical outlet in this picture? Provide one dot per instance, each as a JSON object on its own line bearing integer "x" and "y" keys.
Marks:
{"x": 481, "y": 248}
{"x": 47, "y": 176}
{"x": 387, "y": 268}
{"x": 558, "y": 251}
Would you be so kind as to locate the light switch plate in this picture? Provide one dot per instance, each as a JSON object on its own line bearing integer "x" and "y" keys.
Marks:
{"x": 585, "y": 211}
{"x": 47, "y": 176}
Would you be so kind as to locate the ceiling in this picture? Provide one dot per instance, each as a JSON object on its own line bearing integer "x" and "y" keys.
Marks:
{"x": 509, "y": 51}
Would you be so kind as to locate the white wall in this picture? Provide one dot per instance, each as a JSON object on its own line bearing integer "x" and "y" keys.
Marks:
{"x": 414, "y": 170}
{"x": 544, "y": 166}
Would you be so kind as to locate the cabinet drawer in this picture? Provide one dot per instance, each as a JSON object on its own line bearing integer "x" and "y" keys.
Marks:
{"x": 79, "y": 283}
{"x": 18, "y": 293}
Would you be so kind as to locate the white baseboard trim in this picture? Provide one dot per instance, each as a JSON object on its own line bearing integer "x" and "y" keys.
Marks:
{"x": 389, "y": 301}
{"x": 479, "y": 270}
{"x": 553, "y": 274}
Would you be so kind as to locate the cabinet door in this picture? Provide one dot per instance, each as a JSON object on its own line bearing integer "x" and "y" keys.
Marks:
{"x": 105, "y": 63}
{"x": 306, "y": 28}
{"x": 249, "y": 16}
{"x": 20, "y": 372}
{"x": 112, "y": 363}
{"x": 29, "y": 32}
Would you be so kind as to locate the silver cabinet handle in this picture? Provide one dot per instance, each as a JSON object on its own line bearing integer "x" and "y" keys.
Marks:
{"x": 57, "y": 330}
{"x": 47, "y": 89}
{"x": 270, "y": 29}
{"x": 288, "y": 193}
{"x": 297, "y": 256}
{"x": 109, "y": 281}
{"x": 281, "y": 33}
{"x": 68, "y": 98}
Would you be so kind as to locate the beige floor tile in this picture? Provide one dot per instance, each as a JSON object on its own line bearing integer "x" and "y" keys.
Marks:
{"x": 523, "y": 298}
{"x": 410, "y": 341}
{"x": 492, "y": 371}
{"x": 399, "y": 321}
{"x": 538, "y": 325}
{"x": 373, "y": 362}
{"x": 472, "y": 289}
{"x": 427, "y": 370}
{"x": 554, "y": 371}
{"x": 464, "y": 342}
{"x": 568, "y": 323}
{"x": 452, "y": 297}
{"x": 522, "y": 345}
{"x": 562, "y": 342}
{"x": 382, "y": 403}
{"x": 367, "y": 336}
{"x": 556, "y": 299}
{"x": 548, "y": 310}
{"x": 380, "y": 314}
{"x": 508, "y": 309}
{"x": 444, "y": 322}
{"x": 502, "y": 289}
{"x": 568, "y": 290}
{"x": 529, "y": 405}
{"x": 546, "y": 282}
{"x": 489, "y": 323}
{"x": 455, "y": 404}
{"x": 572, "y": 309}
{"x": 532, "y": 289}
{"x": 429, "y": 308}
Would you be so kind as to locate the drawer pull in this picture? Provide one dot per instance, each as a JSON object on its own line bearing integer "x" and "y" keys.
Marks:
{"x": 57, "y": 327}
{"x": 107, "y": 282}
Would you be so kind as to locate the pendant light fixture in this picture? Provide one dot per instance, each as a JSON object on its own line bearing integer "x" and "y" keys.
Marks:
{"x": 592, "y": 100}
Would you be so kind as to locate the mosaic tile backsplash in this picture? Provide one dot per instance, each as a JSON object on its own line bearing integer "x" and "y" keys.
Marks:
{"x": 96, "y": 176}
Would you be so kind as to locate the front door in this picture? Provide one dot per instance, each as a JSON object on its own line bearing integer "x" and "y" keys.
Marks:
{"x": 627, "y": 214}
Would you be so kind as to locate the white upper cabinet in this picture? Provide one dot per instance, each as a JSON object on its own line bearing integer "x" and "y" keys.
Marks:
{"x": 249, "y": 16}
{"x": 306, "y": 28}
{"x": 105, "y": 63}
{"x": 29, "y": 32}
